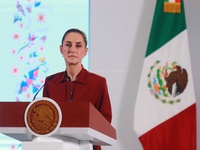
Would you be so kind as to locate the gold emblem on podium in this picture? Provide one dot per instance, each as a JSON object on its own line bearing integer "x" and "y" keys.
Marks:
{"x": 43, "y": 117}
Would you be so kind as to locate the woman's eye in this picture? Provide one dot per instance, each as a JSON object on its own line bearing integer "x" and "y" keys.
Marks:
{"x": 68, "y": 45}
{"x": 78, "y": 46}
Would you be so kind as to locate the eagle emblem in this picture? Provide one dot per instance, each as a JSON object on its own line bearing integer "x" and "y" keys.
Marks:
{"x": 43, "y": 117}
{"x": 167, "y": 81}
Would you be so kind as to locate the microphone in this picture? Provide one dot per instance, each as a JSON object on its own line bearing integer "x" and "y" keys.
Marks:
{"x": 51, "y": 77}
{"x": 71, "y": 92}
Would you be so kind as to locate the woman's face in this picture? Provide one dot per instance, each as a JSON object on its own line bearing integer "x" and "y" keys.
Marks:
{"x": 73, "y": 48}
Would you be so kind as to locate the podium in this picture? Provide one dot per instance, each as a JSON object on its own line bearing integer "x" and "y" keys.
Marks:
{"x": 82, "y": 127}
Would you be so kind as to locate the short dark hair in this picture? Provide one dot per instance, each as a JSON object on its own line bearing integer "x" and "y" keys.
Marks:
{"x": 76, "y": 31}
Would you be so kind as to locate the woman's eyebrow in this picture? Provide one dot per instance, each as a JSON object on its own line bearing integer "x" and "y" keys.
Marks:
{"x": 68, "y": 42}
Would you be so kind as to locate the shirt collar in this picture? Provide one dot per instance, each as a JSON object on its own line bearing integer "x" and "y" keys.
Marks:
{"x": 63, "y": 77}
{"x": 81, "y": 77}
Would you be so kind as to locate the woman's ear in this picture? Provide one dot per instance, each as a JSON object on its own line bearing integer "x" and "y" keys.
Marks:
{"x": 61, "y": 48}
{"x": 86, "y": 51}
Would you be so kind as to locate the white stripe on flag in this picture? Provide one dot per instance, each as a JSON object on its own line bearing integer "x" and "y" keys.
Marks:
{"x": 173, "y": 1}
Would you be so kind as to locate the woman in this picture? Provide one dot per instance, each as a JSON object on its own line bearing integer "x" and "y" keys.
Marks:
{"x": 76, "y": 83}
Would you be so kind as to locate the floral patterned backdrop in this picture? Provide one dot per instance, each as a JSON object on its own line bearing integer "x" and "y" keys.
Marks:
{"x": 28, "y": 46}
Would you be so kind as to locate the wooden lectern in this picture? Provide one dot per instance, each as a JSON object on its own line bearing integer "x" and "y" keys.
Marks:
{"x": 82, "y": 125}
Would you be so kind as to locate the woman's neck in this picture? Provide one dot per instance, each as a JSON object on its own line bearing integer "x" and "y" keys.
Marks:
{"x": 73, "y": 71}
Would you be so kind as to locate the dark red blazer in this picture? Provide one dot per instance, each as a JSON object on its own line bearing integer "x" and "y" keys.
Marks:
{"x": 87, "y": 87}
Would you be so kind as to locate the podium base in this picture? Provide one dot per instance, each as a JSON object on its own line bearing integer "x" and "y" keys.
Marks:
{"x": 56, "y": 143}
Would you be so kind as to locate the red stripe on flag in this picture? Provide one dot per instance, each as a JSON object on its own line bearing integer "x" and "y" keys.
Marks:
{"x": 177, "y": 133}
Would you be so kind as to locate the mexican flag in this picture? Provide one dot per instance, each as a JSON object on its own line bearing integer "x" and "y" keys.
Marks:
{"x": 165, "y": 109}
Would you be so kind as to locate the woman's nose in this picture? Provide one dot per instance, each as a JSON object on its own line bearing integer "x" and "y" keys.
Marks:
{"x": 72, "y": 48}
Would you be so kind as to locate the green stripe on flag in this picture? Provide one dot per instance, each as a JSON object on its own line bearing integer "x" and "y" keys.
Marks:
{"x": 165, "y": 26}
